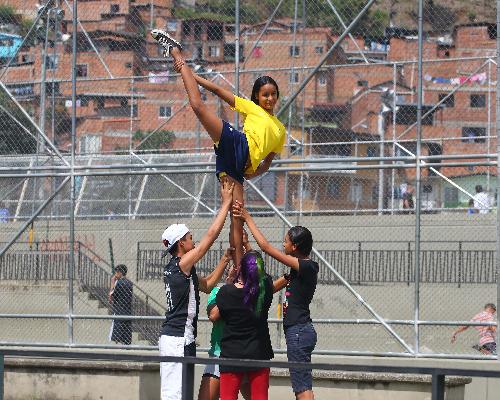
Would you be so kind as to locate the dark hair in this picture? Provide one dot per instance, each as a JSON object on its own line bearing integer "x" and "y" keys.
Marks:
{"x": 252, "y": 273}
{"x": 261, "y": 81}
{"x": 302, "y": 238}
{"x": 479, "y": 188}
{"x": 121, "y": 268}
{"x": 491, "y": 305}
{"x": 175, "y": 246}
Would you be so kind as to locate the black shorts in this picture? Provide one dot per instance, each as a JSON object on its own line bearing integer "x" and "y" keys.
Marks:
{"x": 231, "y": 153}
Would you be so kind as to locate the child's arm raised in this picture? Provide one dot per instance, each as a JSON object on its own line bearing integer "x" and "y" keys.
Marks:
{"x": 240, "y": 212}
{"x": 218, "y": 90}
{"x": 263, "y": 166}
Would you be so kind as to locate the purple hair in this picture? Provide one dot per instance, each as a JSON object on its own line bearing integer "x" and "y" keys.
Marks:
{"x": 252, "y": 273}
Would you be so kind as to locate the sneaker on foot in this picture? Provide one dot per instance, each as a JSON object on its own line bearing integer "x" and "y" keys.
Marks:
{"x": 166, "y": 41}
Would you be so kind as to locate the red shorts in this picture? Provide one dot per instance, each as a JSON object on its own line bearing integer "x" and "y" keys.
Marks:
{"x": 230, "y": 383}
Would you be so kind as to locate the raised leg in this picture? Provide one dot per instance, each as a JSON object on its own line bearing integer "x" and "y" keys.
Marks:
{"x": 210, "y": 121}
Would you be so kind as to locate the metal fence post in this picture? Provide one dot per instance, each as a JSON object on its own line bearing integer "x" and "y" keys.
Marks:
{"x": 460, "y": 263}
{"x": 2, "y": 374}
{"x": 438, "y": 387}
{"x": 187, "y": 381}
{"x": 360, "y": 256}
{"x": 498, "y": 165}
{"x": 418, "y": 171}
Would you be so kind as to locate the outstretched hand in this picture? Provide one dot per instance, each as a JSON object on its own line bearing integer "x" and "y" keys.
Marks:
{"x": 239, "y": 211}
{"x": 178, "y": 63}
{"x": 226, "y": 190}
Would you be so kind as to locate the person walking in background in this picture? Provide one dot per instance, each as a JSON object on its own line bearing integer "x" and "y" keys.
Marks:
{"x": 120, "y": 297}
{"x": 487, "y": 333}
{"x": 300, "y": 287}
{"x": 182, "y": 287}
{"x": 481, "y": 200}
{"x": 244, "y": 308}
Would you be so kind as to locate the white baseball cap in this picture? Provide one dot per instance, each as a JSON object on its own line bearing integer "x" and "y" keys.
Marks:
{"x": 173, "y": 234}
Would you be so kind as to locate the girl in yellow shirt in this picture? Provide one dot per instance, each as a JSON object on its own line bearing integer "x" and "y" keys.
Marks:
{"x": 239, "y": 155}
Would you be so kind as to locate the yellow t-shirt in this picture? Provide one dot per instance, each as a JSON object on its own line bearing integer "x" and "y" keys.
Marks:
{"x": 264, "y": 132}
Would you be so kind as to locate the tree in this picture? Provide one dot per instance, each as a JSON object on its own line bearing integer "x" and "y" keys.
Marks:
{"x": 13, "y": 138}
{"x": 155, "y": 142}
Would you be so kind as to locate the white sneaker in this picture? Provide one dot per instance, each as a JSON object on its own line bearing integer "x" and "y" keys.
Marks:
{"x": 166, "y": 41}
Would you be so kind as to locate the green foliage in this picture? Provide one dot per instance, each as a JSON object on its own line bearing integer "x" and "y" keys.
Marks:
{"x": 7, "y": 14}
{"x": 13, "y": 138}
{"x": 158, "y": 140}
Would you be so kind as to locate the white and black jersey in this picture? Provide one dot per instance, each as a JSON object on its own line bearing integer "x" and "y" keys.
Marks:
{"x": 182, "y": 301}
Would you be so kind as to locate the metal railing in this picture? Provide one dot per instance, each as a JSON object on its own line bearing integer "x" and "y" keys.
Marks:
{"x": 463, "y": 262}
{"x": 438, "y": 374}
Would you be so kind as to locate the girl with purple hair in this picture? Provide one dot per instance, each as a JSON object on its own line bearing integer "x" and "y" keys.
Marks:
{"x": 244, "y": 308}
{"x": 300, "y": 286}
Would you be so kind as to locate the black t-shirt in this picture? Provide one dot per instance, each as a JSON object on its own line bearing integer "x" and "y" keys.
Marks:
{"x": 299, "y": 293}
{"x": 245, "y": 334}
{"x": 122, "y": 297}
{"x": 183, "y": 302}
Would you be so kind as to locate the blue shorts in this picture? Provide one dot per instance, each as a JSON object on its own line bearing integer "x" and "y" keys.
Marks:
{"x": 231, "y": 153}
{"x": 300, "y": 342}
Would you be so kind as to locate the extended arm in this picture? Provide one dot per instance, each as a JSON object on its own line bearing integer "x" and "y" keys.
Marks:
{"x": 218, "y": 90}
{"x": 193, "y": 256}
{"x": 207, "y": 283}
{"x": 279, "y": 284}
{"x": 214, "y": 314}
{"x": 460, "y": 329}
{"x": 240, "y": 212}
{"x": 263, "y": 166}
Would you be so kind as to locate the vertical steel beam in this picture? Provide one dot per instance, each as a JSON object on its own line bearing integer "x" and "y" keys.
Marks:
{"x": 418, "y": 173}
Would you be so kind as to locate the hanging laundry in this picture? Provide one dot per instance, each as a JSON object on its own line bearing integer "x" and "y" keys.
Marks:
{"x": 441, "y": 80}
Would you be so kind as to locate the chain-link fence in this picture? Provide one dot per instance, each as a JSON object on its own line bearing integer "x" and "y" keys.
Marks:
{"x": 390, "y": 159}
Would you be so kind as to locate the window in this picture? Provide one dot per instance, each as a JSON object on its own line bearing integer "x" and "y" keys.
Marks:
{"x": 172, "y": 26}
{"x": 294, "y": 77}
{"x": 363, "y": 83}
{"x": 294, "y": 51}
{"x": 230, "y": 52}
{"x": 450, "y": 196}
{"x": 318, "y": 49}
{"x": 51, "y": 61}
{"x": 115, "y": 8}
{"x": 214, "y": 32}
{"x": 213, "y": 51}
{"x": 84, "y": 101}
{"x": 198, "y": 29}
{"x": 371, "y": 151}
{"x": 165, "y": 111}
{"x": 322, "y": 80}
{"x": 473, "y": 135}
{"x": 90, "y": 144}
{"x": 449, "y": 102}
{"x": 52, "y": 88}
{"x": 333, "y": 187}
{"x": 81, "y": 70}
{"x": 477, "y": 100}
{"x": 356, "y": 192}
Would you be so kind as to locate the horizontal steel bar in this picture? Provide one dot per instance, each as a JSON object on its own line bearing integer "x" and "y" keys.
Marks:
{"x": 126, "y": 356}
{"x": 270, "y": 320}
{"x": 326, "y": 160}
{"x": 349, "y": 167}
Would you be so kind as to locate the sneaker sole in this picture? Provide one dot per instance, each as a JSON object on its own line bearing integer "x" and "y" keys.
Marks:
{"x": 164, "y": 39}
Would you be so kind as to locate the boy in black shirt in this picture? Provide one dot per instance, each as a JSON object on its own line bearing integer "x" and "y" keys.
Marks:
{"x": 182, "y": 286}
{"x": 300, "y": 287}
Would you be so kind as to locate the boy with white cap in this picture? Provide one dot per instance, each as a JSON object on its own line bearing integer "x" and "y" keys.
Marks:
{"x": 182, "y": 286}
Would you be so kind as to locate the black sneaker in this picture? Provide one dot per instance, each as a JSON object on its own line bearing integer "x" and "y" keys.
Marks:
{"x": 166, "y": 41}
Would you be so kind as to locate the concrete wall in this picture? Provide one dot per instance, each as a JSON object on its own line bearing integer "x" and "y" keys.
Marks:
{"x": 96, "y": 380}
